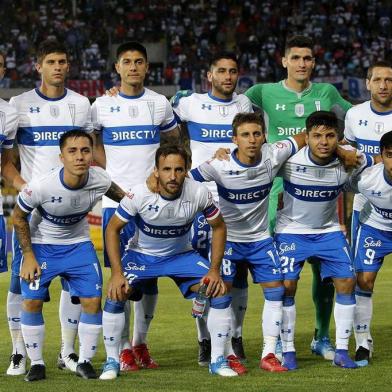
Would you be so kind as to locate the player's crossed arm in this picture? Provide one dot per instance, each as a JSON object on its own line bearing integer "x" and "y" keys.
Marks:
{"x": 115, "y": 192}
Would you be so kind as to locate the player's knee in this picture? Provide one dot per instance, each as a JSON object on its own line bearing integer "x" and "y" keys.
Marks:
{"x": 274, "y": 293}
{"x": 290, "y": 287}
{"x": 220, "y": 302}
{"x": 91, "y": 305}
{"x": 114, "y": 306}
{"x": 32, "y": 305}
{"x": 344, "y": 286}
{"x": 365, "y": 282}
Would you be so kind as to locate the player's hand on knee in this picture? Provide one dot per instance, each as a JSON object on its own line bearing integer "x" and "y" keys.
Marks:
{"x": 30, "y": 270}
{"x": 152, "y": 183}
{"x": 112, "y": 92}
{"x": 118, "y": 288}
{"x": 216, "y": 285}
{"x": 222, "y": 154}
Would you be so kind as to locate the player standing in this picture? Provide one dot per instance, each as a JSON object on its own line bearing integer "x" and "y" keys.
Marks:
{"x": 286, "y": 106}
{"x": 130, "y": 127}
{"x": 56, "y": 242}
{"x": 45, "y": 113}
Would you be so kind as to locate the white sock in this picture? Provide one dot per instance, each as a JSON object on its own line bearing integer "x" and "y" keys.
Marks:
{"x": 14, "y": 308}
{"x": 238, "y": 308}
{"x": 69, "y": 315}
{"x": 112, "y": 324}
{"x": 362, "y": 318}
{"x": 344, "y": 318}
{"x": 88, "y": 340}
{"x": 144, "y": 313}
{"x": 287, "y": 331}
{"x": 125, "y": 341}
{"x": 201, "y": 325}
{"x": 219, "y": 324}
{"x": 33, "y": 336}
{"x": 271, "y": 322}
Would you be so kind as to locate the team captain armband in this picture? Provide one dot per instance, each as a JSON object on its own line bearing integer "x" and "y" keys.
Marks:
{"x": 211, "y": 212}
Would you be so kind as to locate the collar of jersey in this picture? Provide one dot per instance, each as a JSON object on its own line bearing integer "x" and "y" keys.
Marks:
{"x": 132, "y": 96}
{"x": 387, "y": 180}
{"x": 236, "y": 160}
{"x": 167, "y": 199}
{"x": 50, "y": 99}
{"x": 311, "y": 160}
{"x": 66, "y": 186}
{"x": 299, "y": 94}
{"x": 219, "y": 99}
{"x": 379, "y": 113}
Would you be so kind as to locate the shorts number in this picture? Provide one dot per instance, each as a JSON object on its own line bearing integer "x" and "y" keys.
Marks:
{"x": 34, "y": 285}
{"x": 370, "y": 253}
{"x": 203, "y": 238}
{"x": 226, "y": 267}
{"x": 287, "y": 264}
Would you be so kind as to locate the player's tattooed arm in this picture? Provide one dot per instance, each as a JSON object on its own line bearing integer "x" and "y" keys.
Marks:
{"x": 30, "y": 270}
{"x": 115, "y": 192}
{"x": 171, "y": 137}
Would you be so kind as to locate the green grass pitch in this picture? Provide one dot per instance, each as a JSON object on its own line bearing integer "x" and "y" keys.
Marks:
{"x": 173, "y": 344}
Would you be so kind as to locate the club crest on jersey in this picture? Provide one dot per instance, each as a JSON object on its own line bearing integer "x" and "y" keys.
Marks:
{"x": 133, "y": 111}
{"x": 169, "y": 212}
{"x": 319, "y": 173}
{"x": 299, "y": 109}
{"x": 251, "y": 173}
{"x": 223, "y": 110}
{"x": 379, "y": 128}
{"x": 54, "y": 111}
{"x": 2, "y": 122}
{"x": 75, "y": 201}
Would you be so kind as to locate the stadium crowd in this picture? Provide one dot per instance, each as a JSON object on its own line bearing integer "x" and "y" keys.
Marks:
{"x": 349, "y": 35}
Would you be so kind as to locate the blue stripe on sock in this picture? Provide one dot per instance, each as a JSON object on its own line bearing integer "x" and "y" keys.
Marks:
{"x": 274, "y": 293}
{"x": 31, "y": 318}
{"x": 114, "y": 306}
{"x": 89, "y": 318}
{"x": 363, "y": 293}
{"x": 220, "y": 302}
{"x": 288, "y": 301}
{"x": 345, "y": 299}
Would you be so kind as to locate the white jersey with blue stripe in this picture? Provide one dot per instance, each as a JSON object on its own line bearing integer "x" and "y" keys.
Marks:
{"x": 130, "y": 128}
{"x": 376, "y": 187}
{"x": 243, "y": 190}
{"x": 42, "y": 121}
{"x": 59, "y": 213}
{"x": 310, "y": 194}
{"x": 163, "y": 226}
{"x": 8, "y": 126}
{"x": 364, "y": 126}
{"x": 209, "y": 120}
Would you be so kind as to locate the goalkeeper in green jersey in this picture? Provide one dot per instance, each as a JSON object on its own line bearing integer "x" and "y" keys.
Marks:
{"x": 286, "y": 105}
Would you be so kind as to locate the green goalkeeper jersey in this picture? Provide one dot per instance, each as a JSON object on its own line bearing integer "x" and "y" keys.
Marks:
{"x": 285, "y": 110}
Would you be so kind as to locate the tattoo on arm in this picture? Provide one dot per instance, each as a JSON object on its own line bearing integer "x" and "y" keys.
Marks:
{"x": 115, "y": 192}
{"x": 171, "y": 137}
{"x": 22, "y": 229}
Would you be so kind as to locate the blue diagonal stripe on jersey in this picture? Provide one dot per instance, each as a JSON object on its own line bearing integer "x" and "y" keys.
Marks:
{"x": 42, "y": 135}
{"x": 311, "y": 192}
{"x": 245, "y": 195}
{"x": 162, "y": 231}
{"x": 131, "y": 135}
{"x": 65, "y": 220}
{"x": 210, "y": 133}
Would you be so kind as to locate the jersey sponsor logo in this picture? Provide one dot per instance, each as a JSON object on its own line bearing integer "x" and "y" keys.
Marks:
{"x": 229, "y": 252}
{"x": 285, "y": 247}
{"x": 216, "y": 133}
{"x": 384, "y": 212}
{"x": 210, "y": 133}
{"x": 280, "y": 107}
{"x": 130, "y": 135}
{"x": 66, "y": 220}
{"x": 162, "y": 231}
{"x": 312, "y": 193}
{"x": 299, "y": 109}
{"x": 370, "y": 242}
{"x": 134, "y": 267}
{"x": 289, "y": 131}
{"x": 42, "y": 135}
{"x": 201, "y": 221}
{"x": 245, "y": 196}
{"x": 54, "y": 111}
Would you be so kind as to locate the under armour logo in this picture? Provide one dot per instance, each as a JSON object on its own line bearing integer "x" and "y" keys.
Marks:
{"x": 204, "y": 106}
{"x": 363, "y": 326}
{"x": 114, "y": 109}
{"x": 363, "y": 122}
{"x": 300, "y": 169}
{"x": 285, "y": 331}
{"x": 110, "y": 338}
{"x": 151, "y": 207}
{"x": 234, "y": 172}
{"x": 277, "y": 323}
{"x": 98, "y": 287}
{"x": 276, "y": 271}
{"x": 280, "y": 107}
{"x": 34, "y": 110}
{"x": 72, "y": 321}
{"x": 376, "y": 193}
{"x": 58, "y": 199}
{"x": 223, "y": 335}
{"x": 34, "y": 345}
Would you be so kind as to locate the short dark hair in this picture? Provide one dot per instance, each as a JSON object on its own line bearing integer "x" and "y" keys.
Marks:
{"x": 50, "y": 46}
{"x": 74, "y": 133}
{"x": 377, "y": 64}
{"x": 298, "y": 41}
{"x": 386, "y": 141}
{"x": 223, "y": 55}
{"x": 172, "y": 149}
{"x": 131, "y": 46}
{"x": 246, "y": 118}
{"x": 322, "y": 118}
